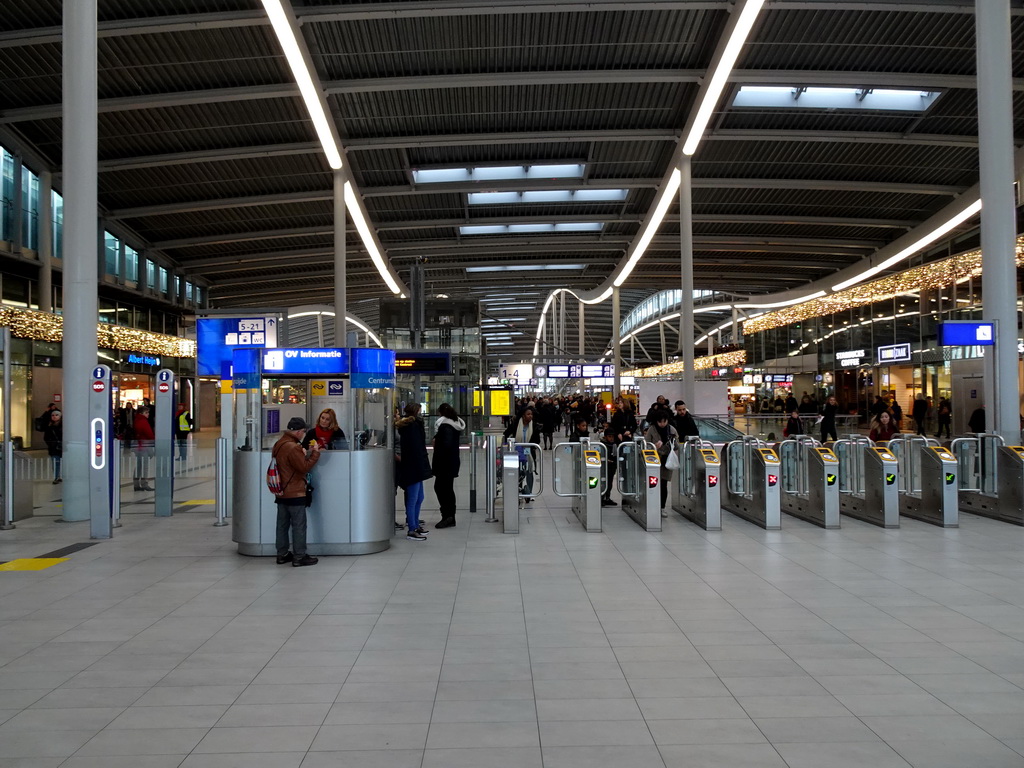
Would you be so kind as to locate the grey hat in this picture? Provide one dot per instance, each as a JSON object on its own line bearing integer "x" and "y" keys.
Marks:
{"x": 296, "y": 422}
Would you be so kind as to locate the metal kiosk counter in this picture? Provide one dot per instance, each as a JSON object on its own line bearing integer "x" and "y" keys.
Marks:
{"x": 353, "y": 507}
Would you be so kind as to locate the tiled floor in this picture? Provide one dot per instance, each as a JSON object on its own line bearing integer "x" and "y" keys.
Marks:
{"x": 555, "y": 648}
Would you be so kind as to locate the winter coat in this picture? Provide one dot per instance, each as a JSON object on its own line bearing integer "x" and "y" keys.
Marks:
{"x": 336, "y": 442}
{"x": 446, "y": 460}
{"x": 686, "y": 425}
{"x": 667, "y": 446}
{"x": 292, "y": 466}
{"x": 412, "y": 464}
{"x": 144, "y": 437}
{"x": 828, "y": 416}
{"x": 53, "y": 436}
{"x": 883, "y": 434}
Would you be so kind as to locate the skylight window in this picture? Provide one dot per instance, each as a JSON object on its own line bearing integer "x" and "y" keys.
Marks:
{"x": 786, "y": 97}
{"x": 499, "y": 172}
{"x": 525, "y": 267}
{"x": 517, "y": 229}
{"x": 548, "y": 196}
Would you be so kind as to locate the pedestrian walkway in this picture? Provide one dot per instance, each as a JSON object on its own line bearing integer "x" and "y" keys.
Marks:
{"x": 557, "y": 648}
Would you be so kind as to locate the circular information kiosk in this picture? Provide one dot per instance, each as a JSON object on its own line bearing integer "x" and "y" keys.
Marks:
{"x": 353, "y": 509}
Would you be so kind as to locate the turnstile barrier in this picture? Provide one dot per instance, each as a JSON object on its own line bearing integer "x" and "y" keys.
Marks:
{"x": 929, "y": 493}
{"x": 990, "y": 477}
{"x": 868, "y": 476}
{"x": 698, "y": 494}
{"x": 810, "y": 481}
{"x": 577, "y": 475}
{"x": 522, "y": 477}
{"x": 639, "y": 482}
{"x": 752, "y": 489}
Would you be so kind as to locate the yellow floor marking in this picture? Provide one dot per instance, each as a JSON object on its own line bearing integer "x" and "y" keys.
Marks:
{"x": 197, "y": 502}
{"x": 32, "y": 563}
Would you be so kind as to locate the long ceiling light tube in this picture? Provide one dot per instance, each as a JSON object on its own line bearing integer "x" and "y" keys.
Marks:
{"x": 713, "y": 92}
{"x": 668, "y": 194}
{"x": 919, "y": 244}
{"x": 355, "y": 210}
{"x": 286, "y": 31}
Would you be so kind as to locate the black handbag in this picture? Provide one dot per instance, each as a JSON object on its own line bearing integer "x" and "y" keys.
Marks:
{"x": 309, "y": 490}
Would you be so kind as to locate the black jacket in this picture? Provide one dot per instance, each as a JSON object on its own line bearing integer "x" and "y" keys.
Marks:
{"x": 53, "y": 436}
{"x": 446, "y": 461}
{"x": 414, "y": 466}
{"x": 686, "y": 426}
{"x": 624, "y": 421}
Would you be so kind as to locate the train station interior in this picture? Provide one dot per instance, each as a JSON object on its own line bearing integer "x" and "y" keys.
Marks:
{"x": 798, "y": 216}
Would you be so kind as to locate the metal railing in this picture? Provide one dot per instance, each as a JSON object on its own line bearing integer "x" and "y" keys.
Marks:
{"x": 740, "y": 459}
{"x": 794, "y": 463}
{"x": 529, "y": 464}
{"x": 977, "y": 459}
{"x": 850, "y": 452}
{"x": 907, "y": 450}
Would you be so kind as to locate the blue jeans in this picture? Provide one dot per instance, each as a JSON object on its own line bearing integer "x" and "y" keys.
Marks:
{"x": 56, "y": 466}
{"x": 413, "y": 502}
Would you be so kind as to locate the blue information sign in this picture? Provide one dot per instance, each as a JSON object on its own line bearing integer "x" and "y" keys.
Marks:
{"x": 966, "y": 333}
{"x": 373, "y": 369}
{"x": 216, "y": 337}
{"x": 315, "y": 361}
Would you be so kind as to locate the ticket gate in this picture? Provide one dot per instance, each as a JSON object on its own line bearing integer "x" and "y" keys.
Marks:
{"x": 522, "y": 478}
{"x": 752, "y": 488}
{"x": 867, "y": 481}
{"x": 810, "y": 481}
{"x": 990, "y": 477}
{"x": 577, "y": 475}
{"x": 926, "y": 480}
{"x": 698, "y": 494}
{"x": 639, "y": 481}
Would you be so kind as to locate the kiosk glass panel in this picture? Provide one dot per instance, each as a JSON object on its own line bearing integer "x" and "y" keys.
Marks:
{"x": 373, "y": 412}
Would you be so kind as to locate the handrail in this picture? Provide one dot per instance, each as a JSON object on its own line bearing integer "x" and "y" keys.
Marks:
{"x": 908, "y": 460}
{"x": 575, "y": 452}
{"x": 538, "y": 467}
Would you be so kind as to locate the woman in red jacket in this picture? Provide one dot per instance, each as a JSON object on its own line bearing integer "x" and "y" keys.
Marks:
{"x": 883, "y": 428}
{"x": 145, "y": 446}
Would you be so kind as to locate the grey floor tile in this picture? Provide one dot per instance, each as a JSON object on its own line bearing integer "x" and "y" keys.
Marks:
{"x": 381, "y": 758}
{"x": 40, "y": 744}
{"x": 705, "y": 731}
{"x": 841, "y": 755}
{"x": 244, "y": 760}
{"x": 692, "y": 708}
{"x": 378, "y": 712}
{"x": 483, "y": 757}
{"x": 486, "y": 690}
{"x": 191, "y": 716}
{"x": 459, "y": 735}
{"x": 610, "y": 733}
{"x": 602, "y": 757}
{"x": 918, "y": 727}
{"x": 144, "y": 741}
{"x": 792, "y": 706}
{"x": 256, "y": 715}
{"x": 257, "y": 739}
{"x": 496, "y": 711}
{"x": 124, "y": 761}
{"x": 333, "y": 738}
{"x": 716, "y": 755}
{"x": 814, "y": 730}
{"x": 587, "y": 709}
{"x": 977, "y": 753}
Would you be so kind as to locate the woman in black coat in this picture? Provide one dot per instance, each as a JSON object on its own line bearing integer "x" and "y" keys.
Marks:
{"x": 446, "y": 461}
{"x": 412, "y": 467}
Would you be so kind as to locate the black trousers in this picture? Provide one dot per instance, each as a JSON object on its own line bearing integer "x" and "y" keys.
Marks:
{"x": 444, "y": 489}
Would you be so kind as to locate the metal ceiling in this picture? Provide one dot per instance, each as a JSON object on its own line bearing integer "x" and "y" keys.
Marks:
{"x": 207, "y": 154}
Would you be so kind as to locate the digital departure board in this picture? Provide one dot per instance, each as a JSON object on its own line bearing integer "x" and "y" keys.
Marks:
{"x": 422, "y": 361}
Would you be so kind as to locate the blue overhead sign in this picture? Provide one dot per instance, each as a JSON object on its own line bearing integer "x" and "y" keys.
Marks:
{"x": 314, "y": 361}
{"x": 216, "y": 337}
{"x": 373, "y": 369}
{"x": 966, "y": 333}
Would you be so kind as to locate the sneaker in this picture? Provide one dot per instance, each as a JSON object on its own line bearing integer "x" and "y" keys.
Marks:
{"x": 612, "y": 503}
{"x": 56, "y": 481}
{"x": 305, "y": 560}
{"x": 282, "y": 559}
{"x": 415, "y": 536}
{"x": 446, "y": 522}
{"x": 607, "y": 503}
{"x": 664, "y": 513}
{"x": 422, "y": 531}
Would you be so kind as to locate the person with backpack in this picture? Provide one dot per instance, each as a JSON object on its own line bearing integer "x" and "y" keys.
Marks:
{"x": 292, "y": 464}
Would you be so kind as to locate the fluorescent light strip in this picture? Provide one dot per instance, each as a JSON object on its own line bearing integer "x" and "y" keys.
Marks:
{"x": 355, "y": 210}
{"x": 311, "y": 95}
{"x": 526, "y": 267}
{"x": 910, "y": 250}
{"x": 788, "y": 303}
{"x": 373, "y": 337}
{"x": 667, "y": 195}
{"x": 516, "y": 229}
{"x": 744, "y": 24}
{"x": 547, "y": 196}
{"x": 499, "y": 173}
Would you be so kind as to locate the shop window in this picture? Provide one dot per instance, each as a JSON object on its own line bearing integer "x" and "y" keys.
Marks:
{"x": 57, "y": 201}
{"x": 29, "y": 209}
{"x": 111, "y": 260}
{"x": 6, "y": 194}
{"x": 163, "y": 280}
{"x": 150, "y": 275}
{"x": 131, "y": 260}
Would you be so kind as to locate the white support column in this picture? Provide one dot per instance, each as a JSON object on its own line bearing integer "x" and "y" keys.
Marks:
{"x": 664, "y": 348}
{"x": 562, "y": 314}
{"x": 46, "y": 241}
{"x": 79, "y": 348}
{"x": 340, "y": 263}
{"x": 616, "y": 343}
{"x": 582, "y": 335}
{"x": 686, "y": 279}
{"x": 735, "y": 325}
{"x": 998, "y": 218}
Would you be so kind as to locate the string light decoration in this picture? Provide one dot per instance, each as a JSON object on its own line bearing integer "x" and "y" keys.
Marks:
{"x": 724, "y": 360}
{"x": 931, "y": 276}
{"x": 44, "y": 326}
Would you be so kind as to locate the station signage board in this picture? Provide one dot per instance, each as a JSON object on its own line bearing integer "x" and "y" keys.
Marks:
{"x": 894, "y": 353}
{"x": 966, "y": 333}
{"x": 423, "y": 361}
{"x": 216, "y": 337}
{"x": 305, "y": 362}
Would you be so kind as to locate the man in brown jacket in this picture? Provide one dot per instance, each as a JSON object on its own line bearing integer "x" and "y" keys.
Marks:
{"x": 292, "y": 466}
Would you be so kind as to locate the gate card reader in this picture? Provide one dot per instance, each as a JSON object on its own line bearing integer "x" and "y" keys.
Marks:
{"x": 937, "y": 502}
{"x": 874, "y": 494}
{"x": 753, "y": 490}
{"x": 811, "y": 487}
{"x": 1007, "y": 504}
{"x": 698, "y": 493}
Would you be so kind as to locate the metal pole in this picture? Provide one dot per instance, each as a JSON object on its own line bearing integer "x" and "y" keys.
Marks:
{"x": 616, "y": 343}
{"x": 664, "y": 350}
{"x": 79, "y": 347}
{"x": 340, "y": 264}
{"x": 474, "y": 445}
{"x": 7, "y": 521}
{"x": 561, "y": 322}
{"x": 115, "y": 485}
{"x": 998, "y": 217}
{"x": 221, "y": 460}
{"x": 45, "y": 241}
{"x": 686, "y": 280}
{"x": 491, "y": 468}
